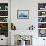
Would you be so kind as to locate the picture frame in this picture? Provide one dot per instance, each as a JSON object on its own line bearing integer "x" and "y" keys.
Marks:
{"x": 22, "y": 14}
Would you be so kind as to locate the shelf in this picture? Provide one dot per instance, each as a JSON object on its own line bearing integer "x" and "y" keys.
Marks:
{"x": 42, "y": 16}
{"x": 3, "y": 16}
{"x": 41, "y": 22}
{"x": 42, "y": 19}
{"x": 3, "y": 10}
{"x": 3, "y": 22}
{"x": 41, "y": 28}
{"x": 3, "y": 13}
{"x": 42, "y": 37}
{"x": 41, "y": 10}
{"x": 4, "y": 19}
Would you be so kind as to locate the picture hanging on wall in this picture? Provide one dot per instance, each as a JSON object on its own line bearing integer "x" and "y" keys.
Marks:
{"x": 22, "y": 14}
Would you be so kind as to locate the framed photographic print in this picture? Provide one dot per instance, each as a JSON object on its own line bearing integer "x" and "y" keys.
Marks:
{"x": 23, "y": 14}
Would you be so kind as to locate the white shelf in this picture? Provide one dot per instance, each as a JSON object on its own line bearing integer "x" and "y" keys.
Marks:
{"x": 41, "y": 22}
{"x": 42, "y": 16}
{"x": 3, "y": 22}
{"x": 41, "y": 28}
{"x": 3, "y": 10}
{"x": 42, "y": 10}
{"x": 3, "y": 16}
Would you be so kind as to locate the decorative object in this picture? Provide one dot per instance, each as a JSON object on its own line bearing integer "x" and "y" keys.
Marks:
{"x": 31, "y": 27}
{"x": 41, "y": 25}
{"x": 42, "y": 32}
{"x": 6, "y": 7}
{"x": 4, "y": 29}
{"x": 41, "y": 19}
{"x": 3, "y": 13}
{"x": 24, "y": 37}
{"x": 41, "y": 6}
{"x": 23, "y": 14}
{"x": 3, "y": 19}
{"x": 13, "y": 27}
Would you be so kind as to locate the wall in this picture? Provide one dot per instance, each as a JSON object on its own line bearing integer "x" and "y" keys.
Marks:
{"x": 32, "y": 6}
{"x": 23, "y": 24}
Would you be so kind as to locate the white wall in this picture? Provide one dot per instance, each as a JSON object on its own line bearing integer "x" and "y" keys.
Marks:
{"x": 23, "y": 24}
{"x": 32, "y": 6}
